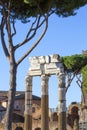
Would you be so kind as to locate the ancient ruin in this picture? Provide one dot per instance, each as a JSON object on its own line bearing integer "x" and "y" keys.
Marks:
{"x": 44, "y": 66}
{"x": 36, "y": 110}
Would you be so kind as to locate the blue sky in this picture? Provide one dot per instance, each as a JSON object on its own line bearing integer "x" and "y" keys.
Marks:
{"x": 65, "y": 36}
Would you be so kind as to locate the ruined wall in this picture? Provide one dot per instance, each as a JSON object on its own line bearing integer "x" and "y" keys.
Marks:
{"x": 1, "y": 126}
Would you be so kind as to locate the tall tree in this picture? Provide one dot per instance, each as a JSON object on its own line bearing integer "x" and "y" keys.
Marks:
{"x": 37, "y": 12}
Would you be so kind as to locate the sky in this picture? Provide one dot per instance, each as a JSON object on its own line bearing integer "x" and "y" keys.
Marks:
{"x": 66, "y": 37}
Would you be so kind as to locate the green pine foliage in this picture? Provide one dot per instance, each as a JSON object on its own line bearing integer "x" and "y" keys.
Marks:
{"x": 78, "y": 64}
{"x": 25, "y": 9}
{"x": 68, "y": 7}
{"x": 33, "y": 2}
{"x": 75, "y": 62}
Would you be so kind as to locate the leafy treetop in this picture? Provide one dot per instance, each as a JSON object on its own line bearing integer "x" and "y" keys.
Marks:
{"x": 24, "y": 9}
{"x": 77, "y": 64}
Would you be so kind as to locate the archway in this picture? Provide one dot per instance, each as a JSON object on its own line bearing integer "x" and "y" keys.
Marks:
{"x": 56, "y": 129}
{"x": 19, "y": 128}
{"x": 74, "y": 110}
{"x": 55, "y": 117}
{"x": 38, "y": 129}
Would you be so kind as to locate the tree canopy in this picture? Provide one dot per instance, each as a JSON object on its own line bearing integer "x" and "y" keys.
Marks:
{"x": 77, "y": 64}
{"x": 24, "y": 9}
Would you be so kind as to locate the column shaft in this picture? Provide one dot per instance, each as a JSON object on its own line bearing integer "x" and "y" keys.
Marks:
{"x": 28, "y": 104}
{"x": 44, "y": 103}
{"x": 62, "y": 103}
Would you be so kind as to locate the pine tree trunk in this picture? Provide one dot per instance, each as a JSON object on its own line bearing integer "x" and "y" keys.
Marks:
{"x": 11, "y": 96}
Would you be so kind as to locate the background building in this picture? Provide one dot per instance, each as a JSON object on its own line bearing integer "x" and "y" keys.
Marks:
{"x": 75, "y": 113}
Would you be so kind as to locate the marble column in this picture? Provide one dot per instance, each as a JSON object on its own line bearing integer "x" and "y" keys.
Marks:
{"x": 44, "y": 103}
{"x": 61, "y": 102}
{"x": 28, "y": 104}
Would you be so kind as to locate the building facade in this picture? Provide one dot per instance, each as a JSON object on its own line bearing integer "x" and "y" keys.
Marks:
{"x": 74, "y": 113}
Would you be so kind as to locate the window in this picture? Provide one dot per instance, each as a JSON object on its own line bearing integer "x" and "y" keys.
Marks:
{"x": 33, "y": 109}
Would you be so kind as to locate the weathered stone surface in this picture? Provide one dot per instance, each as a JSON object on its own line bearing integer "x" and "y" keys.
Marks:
{"x": 55, "y": 58}
{"x": 62, "y": 93}
{"x": 45, "y": 65}
{"x": 61, "y": 107}
{"x": 28, "y": 96}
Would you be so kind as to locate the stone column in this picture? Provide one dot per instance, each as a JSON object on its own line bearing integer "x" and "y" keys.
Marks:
{"x": 44, "y": 103}
{"x": 76, "y": 124}
{"x": 28, "y": 104}
{"x": 62, "y": 102}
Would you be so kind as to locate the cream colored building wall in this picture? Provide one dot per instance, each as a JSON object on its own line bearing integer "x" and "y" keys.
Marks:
{"x": 4, "y": 104}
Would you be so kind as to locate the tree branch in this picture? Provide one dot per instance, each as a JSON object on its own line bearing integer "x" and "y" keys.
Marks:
{"x": 49, "y": 14}
{"x": 3, "y": 39}
{"x": 13, "y": 24}
{"x": 70, "y": 79}
{"x": 36, "y": 43}
{"x": 79, "y": 82}
{"x": 38, "y": 25}
{"x": 8, "y": 27}
{"x": 31, "y": 30}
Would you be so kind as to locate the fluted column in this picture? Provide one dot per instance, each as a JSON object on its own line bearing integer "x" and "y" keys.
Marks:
{"x": 62, "y": 102}
{"x": 44, "y": 103}
{"x": 28, "y": 104}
